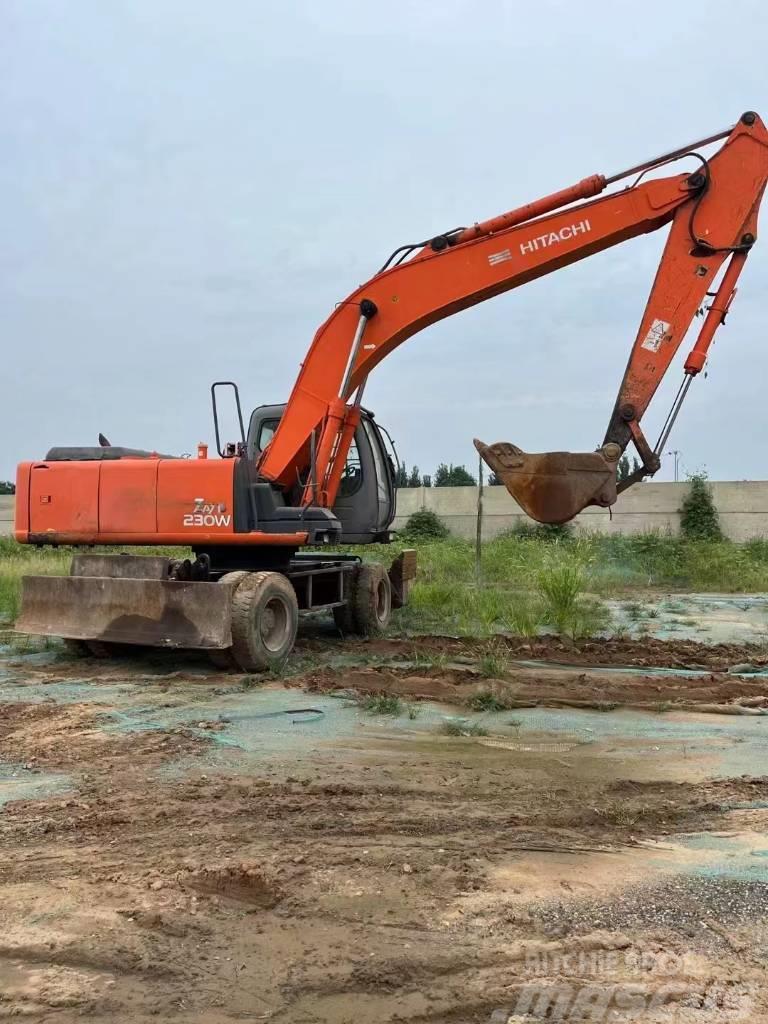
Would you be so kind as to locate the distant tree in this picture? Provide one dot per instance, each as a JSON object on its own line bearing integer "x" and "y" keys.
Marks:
{"x": 6, "y": 487}
{"x": 625, "y": 469}
{"x": 493, "y": 480}
{"x": 426, "y": 480}
{"x": 409, "y": 478}
{"x": 414, "y": 480}
{"x": 453, "y": 476}
{"x": 401, "y": 476}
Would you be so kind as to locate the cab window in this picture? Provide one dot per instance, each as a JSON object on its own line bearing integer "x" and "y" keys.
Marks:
{"x": 352, "y": 476}
{"x": 266, "y": 433}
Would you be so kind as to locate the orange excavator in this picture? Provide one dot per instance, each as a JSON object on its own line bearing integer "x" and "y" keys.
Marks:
{"x": 260, "y": 518}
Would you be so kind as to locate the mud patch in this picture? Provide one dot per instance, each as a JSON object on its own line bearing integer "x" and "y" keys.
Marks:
{"x": 532, "y": 684}
{"x": 352, "y": 866}
{"x": 239, "y": 883}
{"x": 618, "y": 651}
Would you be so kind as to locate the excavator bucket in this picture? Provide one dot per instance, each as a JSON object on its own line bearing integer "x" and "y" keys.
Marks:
{"x": 553, "y": 487}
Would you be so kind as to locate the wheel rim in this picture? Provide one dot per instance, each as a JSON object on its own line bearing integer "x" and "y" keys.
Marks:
{"x": 275, "y": 625}
{"x": 382, "y": 600}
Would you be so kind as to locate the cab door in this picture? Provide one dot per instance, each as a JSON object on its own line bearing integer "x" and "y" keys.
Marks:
{"x": 365, "y": 503}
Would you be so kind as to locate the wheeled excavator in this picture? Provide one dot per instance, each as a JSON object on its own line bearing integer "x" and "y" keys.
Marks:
{"x": 262, "y": 517}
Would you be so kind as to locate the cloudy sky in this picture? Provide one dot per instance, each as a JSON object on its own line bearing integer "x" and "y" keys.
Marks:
{"x": 187, "y": 188}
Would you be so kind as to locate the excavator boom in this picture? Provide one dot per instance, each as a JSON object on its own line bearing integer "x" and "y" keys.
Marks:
{"x": 713, "y": 217}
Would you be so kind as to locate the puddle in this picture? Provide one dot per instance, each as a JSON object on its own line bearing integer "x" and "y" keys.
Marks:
{"x": 728, "y": 869}
{"x": 728, "y": 746}
{"x": 278, "y": 722}
{"x": 705, "y": 618}
{"x": 630, "y": 670}
{"x": 741, "y": 856}
{"x": 737, "y": 856}
{"x": 20, "y": 783}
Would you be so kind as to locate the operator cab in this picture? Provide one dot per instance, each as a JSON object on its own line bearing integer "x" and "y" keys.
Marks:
{"x": 365, "y": 503}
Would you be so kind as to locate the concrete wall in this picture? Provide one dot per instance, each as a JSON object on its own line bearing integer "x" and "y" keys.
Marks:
{"x": 743, "y": 508}
{"x": 6, "y": 513}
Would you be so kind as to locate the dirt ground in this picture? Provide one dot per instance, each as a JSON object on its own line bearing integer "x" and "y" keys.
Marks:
{"x": 393, "y": 872}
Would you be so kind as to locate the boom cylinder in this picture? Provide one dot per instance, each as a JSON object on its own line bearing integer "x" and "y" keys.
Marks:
{"x": 716, "y": 314}
{"x": 584, "y": 189}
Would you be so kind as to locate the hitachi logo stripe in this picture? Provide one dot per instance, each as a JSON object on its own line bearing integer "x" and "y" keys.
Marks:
{"x": 554, "y": 237}
{"x": 499, "y": 257}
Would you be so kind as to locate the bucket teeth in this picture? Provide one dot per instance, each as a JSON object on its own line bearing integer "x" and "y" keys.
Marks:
{"x": 553, "y": 487}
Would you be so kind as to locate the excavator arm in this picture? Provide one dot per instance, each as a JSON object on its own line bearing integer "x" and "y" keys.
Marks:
{"x": 713, "y": 217}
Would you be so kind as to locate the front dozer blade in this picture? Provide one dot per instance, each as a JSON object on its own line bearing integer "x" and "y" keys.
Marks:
{"x": 553, "y": 487}
{"x": 155, "y": 613}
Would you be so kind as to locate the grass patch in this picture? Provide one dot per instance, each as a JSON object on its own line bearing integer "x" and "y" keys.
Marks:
{"x": 382, "y": 704}
{"x": 389, "y": 704}
{"x": 426, "y": 661}
{"x": 530, "y": 583}
{"x": 17, "y": 561}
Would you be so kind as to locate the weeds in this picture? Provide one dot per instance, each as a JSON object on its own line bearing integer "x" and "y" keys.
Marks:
{"x": 460, "y": 727}
{"x": 619, "y": 815}
{"x": 487, "y": 701}
{"x": 382, "y": 704}
{"x": 560, "y": 583}
{"x": 590, "y": 616}
{"x": 605, "y": 705}
{"x": 548, "y": 532}
{"x": 633, "y": 610}
{"x": 426, "y": 661}
{"x": 24, "y": 643}
{"x": 526, "y": 616}
{"x": 494, "y": 664}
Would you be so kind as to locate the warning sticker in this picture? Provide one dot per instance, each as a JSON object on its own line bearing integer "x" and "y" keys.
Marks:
{"x": 656, "y": 334}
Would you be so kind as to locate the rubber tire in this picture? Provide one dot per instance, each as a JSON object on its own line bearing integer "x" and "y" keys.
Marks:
{"x": 222, "y": 657}
{"x": 372, "y": 602}
{"x": 249, "y": 602}
{"x": 103, "y": 649}
{"x": 75, "y": 648}
{"x": 343, "y": 616}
